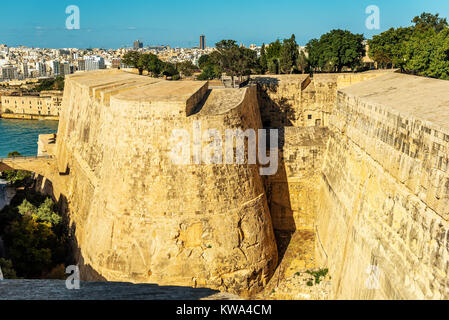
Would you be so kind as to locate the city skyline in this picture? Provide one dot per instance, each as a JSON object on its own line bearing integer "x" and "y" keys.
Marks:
{"x": 42, "y": 24}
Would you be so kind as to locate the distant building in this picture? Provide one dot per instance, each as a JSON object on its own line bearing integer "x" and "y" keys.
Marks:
{"x": 366, "y": 60}
{"x": 4, "y": 48}
{"x": 116, "y": 63}
{"x": 24, "y": 70}
{"x": 202, "y": 42}
{"x": 40, "y": 68}
{"x": 47, "y": 103}
{"x": 138, "y": 45}
{"x": 94, "y": 63}
{"x": 8, "y": 72}
{"x": 64, "y": 68}
{"x": 81, "y": 64}
{"x": 55, "y": 67}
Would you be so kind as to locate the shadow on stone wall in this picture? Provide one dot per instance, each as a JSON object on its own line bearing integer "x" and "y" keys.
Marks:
{"x": 278, "y": 197}
{"x": 86, "y": 271}
{"x": 275, "y": 114}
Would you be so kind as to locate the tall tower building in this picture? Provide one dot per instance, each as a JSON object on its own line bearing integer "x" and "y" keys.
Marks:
{"x": 40, "y": 68}
{"x": 202, "y": 42}
{"x": 138, "y": 45}
{"x": 24, "y": 70}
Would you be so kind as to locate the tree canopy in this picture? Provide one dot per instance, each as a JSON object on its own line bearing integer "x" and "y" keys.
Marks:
{"x": 153, "y": 65}
{"x": 15, "y": 177}
{"x": 430, "y": 21}
{"x": 289, "y": 55}
{"x": 230, "y": 59}
{"x": 134, "y": 59}
{"x": 51, "y": 84}
{"x": 335, "y": 50}
{"x": 277, "y": 57}
{"x": 421, "y": 49}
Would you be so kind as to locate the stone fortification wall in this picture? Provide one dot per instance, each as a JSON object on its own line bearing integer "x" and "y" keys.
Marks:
{"x": 300, "y": 100}
{"x": 139, "y": 217}
{"x": 280, "y": 98}
{"x": 382, "y": 218}
{"x": 368, "y": 184}
{"x": 293, "y": 191}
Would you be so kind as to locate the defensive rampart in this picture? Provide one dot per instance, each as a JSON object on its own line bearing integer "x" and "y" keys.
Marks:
{"x": 140, "y": 217}
{"x": 363, "y": 173}
{"x": 383, "y": 205}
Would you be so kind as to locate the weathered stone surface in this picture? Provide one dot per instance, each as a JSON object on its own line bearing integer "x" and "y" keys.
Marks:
{"x": 293, "y": 190}
{"x": 139, "y": 217}
{"x": 383, "y": 200}
{"x": 300, "y": 101}
{"x": 366, "y": 186}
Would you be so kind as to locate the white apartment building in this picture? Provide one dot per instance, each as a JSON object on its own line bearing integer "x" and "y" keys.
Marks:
{"x": 94, "y": 63}
{"x": 9, "y": 72}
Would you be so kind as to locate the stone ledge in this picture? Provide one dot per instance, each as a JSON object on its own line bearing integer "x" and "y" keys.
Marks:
{"x": 56, "y": 290}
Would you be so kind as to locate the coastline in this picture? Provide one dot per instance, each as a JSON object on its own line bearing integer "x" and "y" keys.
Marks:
{"x": 16, "y": 116}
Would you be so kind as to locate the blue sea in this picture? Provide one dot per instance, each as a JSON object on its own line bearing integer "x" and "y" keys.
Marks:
{"x": 22, "y": 135}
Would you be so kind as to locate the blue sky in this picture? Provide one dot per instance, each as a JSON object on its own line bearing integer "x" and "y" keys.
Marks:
{"x": 117, "y": 23}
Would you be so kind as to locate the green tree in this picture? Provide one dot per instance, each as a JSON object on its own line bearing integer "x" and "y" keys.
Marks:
{"x": 313, "y": 49}
{"x": 152, "y": 64}
{"x": 388, "y": 48}
{"x": 289, "y": 55}
{"x": 27, "y": 208}
{"x": 14, "y": 154}
{"x": 274, "y": 50}
{"x": 225, "y": 45}
{"x": 7, "y": 269}
{"x": 418, "y": 50}
{"x": 169, "y": 69}
{"x": 134, "y": 59}
{"x": 15, "y": 177}
{"x": 46, "y": 213}
{"x": 51, "y": 84}
{"x": 245, "y": 62}
{"x": 210, "y": 72}
{"x": 228, "y": 52}
{"x": 273, "y": 53}
{"x": 203, "y": 61}
{"x": 29, "y": 246}
{"x": 336, "y": 50}
{"x": 303, "y": 62}
{"x": 263, "y": 63}
{"x": 439, "y": 58}
{"x": 234, "y": 60}
{"x": 421, "y": 49}
{"x": 186, "y": 68}
{"x": 430, "y": 21}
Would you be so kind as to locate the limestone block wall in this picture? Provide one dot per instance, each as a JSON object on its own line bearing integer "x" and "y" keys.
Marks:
{"x": 382, "y": 218}
{"x": 292, "y": 193}
{"x": 280, "y": 99}
{"x": 139, "y": 217}
{"x": 318, "y": 101}
{"x": 302, "y": 101}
